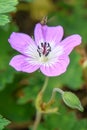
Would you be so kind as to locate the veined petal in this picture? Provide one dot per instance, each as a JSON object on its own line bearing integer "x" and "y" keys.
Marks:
{"x": 20, "y": 42}
{"x": 56, "y": 68}
{"x": 54, "y": 35}
{"x": 56, "y": 52}
{"x": 51, "y": 35}
{"x": 23, "y": 63}
{"x": 39, "y": 33}
{"x": 70, "y": 42}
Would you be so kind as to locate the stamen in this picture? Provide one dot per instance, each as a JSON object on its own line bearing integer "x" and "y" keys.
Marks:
{"x": 45, "y": 43}
{"x": 44, "y": 49}
{"x": 48, "y": 45}
{"x": 47, "y": 54}
{"x": 42, "y": 44}
{"x": 38, "y": 50}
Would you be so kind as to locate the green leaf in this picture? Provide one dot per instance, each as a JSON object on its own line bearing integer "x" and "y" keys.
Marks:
{"x": 8, "y": 102}
{"x": 29, "y": 93}
{"x": 6, "y": 9}
{"x": 3, "y": 122}
{"x": 72, "y": 101}
{"x": 8, "y": 2}
{"x": 66, "y": 120}
{"x": 6, "y": 52}
{"x": 7, "y": 5}
{"x": 4, "y": 19}
{"x": 26, "y": 0}
{"x": 73, "y": 76}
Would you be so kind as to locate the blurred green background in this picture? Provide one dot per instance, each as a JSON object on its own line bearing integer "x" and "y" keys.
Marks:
{"x": 18, "y": 90}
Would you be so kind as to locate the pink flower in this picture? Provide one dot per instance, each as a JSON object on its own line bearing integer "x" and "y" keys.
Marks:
{"x": 47, "y": 52}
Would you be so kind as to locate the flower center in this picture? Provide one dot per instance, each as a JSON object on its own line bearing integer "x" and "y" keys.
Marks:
{"x": 44, "y": 49}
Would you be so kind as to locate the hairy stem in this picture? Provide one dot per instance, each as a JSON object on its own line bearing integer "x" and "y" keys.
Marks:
{"x": 38, "y": 114}
{"x": 37, "y": 120}
{"x": 45, "y": 85}
{"x": 58, "y": 90}
{"x": 53, "y": 94}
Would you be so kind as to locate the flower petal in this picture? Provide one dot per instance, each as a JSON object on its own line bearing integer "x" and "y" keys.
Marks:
{"x": 20, "y": 42}
{"x": 57, "y": 68}
{"x": 70, "y": 42}
{"x": 23, "y": 63}
{"x": 39, "y": 34}
{"x": 54, "y": 35}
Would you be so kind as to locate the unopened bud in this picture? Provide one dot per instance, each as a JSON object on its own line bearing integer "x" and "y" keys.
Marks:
{"x": 72, "y": 101}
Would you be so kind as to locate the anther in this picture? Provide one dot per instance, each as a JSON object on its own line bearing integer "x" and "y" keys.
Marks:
{"x": 45, "y": 43}
{"x": 48, "y": 45}
{"x": 38, "y": 47}
{"x": 42, "y": 44}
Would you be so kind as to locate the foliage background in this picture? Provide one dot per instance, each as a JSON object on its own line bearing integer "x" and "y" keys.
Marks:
{"x": 18, "y": 90}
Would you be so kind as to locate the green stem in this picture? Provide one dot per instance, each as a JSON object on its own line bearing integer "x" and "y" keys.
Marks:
{"x": 37, "y": 120}
{"x": 58, "y": 90}
{"x": 52, "y": 99}
{"x": 38, "y": 114}
{"x": 45, "y": 84}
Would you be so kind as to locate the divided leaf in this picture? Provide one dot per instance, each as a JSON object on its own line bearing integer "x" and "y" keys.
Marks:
{"x": 3, "y": 122}
{"x": 6, "y": 6}
{"x": 4, "y": 19}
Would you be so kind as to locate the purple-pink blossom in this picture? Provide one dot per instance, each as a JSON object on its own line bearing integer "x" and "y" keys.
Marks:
{"x": 46, "y": 52}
